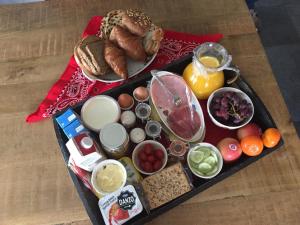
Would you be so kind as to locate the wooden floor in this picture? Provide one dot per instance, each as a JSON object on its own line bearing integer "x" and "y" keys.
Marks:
{"x": 36, "y": 41}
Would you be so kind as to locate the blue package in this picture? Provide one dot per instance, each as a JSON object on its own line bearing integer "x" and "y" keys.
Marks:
{"x": 66, "y": 118}
{"x": 73, "y": 129}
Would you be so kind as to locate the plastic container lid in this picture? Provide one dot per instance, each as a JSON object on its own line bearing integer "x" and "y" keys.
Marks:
{"x": 178, "y": 148}
{"x": 113, "y": 135}
{"x": 128, "y": 118}
{"x": 186, "y": 120}
{"x": 153, "y": 128}
{"x": 143, "y": 110}
{"x": 99, "y": 111}
{"x": 137, "y": 135}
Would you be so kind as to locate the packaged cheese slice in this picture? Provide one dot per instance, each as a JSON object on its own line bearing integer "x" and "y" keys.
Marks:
{"x": 120, "y": 206}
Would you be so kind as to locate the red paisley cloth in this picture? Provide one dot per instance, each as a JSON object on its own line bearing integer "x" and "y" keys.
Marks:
{"x": 73, "y": 87}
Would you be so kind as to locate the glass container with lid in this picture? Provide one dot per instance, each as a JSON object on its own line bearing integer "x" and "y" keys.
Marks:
{"x": 178, "y": 148}
{"x": 205, "y": 74}
{"x": 174, "y": 105}
{"x": 153, "y": 129}
{"x": 143, "y": 111}
{"x": 114, "y": 140}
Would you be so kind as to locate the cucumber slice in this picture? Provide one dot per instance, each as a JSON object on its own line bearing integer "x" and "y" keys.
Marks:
{"x": 197, "y": 156}
{"x": 210, "y": 160}
{"x": 193, "y": 164}
{"x": 198, "y": 172}
{"x": 214, "y": 170}
{"x": 214, "y": 155}
{"x": 198, "y": 149}
{"x": 204, "y": 167}
{"x": 206, "y": 151}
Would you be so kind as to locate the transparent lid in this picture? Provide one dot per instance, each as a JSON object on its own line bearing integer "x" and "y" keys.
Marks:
{"x": 137, "y": 135}
{"x": 113, "y": 135}
{"x": 153, "y": 128}
{"x": 185, "y": 119}
{"x": 178, "y": 148}
{"x": 213, "y": 51}
{"x": 143, "y": 110}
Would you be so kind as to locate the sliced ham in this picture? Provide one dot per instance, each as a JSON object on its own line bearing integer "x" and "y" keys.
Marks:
{"x": 183, "y": 120}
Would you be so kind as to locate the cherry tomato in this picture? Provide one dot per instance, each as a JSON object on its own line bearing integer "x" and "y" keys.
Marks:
{"x": 159, "y": 154}
{"x": 151, "y": 158}
{"x": 147, "y": 167}
{"x": 252, "y": 145}
{"x": 148, "y": 149}
{"x": 142, "y": 156}
{"x": 157, "y": 165}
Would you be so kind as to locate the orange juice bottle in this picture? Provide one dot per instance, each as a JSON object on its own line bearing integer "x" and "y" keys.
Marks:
{"x": 205, "y": 74}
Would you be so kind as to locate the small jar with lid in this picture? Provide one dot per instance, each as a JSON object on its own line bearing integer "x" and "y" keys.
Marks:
{"x": 178, "y": 149}
{"x": 114, "y": 140}
{"x": 143, "y": 111}
{"x": 153, "y": 129}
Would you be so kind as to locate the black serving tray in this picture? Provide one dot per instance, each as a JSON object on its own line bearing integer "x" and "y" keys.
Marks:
{"x": 90, "y": 201}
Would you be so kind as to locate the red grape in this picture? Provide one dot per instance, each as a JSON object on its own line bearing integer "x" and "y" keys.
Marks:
{"x": 230, "y": 107}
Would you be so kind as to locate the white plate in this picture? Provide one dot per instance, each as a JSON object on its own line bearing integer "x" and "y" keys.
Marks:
{"x": 134, "y": 68}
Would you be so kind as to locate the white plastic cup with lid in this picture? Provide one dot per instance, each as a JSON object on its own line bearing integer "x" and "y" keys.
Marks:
{"x": 99, "y": 192}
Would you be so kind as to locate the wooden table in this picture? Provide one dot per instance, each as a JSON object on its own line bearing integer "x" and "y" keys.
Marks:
{"x": 36, "y": 41}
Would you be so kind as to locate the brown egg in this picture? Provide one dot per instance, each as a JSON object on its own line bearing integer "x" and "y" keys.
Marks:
{"x": 141, "y": 93}
{"x": 125, "y": 101}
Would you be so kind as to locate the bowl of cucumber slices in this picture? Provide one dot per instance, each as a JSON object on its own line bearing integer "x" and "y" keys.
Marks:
{"x": 205, "y": 160}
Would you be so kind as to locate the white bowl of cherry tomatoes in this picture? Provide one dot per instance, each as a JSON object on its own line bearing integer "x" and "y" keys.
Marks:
{"x": 149, "y": 157}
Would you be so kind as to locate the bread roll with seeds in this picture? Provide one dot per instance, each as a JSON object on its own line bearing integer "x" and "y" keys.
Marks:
{"x": 152, "y": 40}
{"x": 137, "y": 23}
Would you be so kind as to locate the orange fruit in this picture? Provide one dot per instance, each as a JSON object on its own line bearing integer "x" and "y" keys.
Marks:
{"x": 252, "y": 145}
{"x": 271, "y": 137}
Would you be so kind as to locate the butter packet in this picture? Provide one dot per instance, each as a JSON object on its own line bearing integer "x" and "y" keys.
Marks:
{"x": 120, "y": 206}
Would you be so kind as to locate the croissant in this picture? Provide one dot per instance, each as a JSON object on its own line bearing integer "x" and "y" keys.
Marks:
{"x": 116, "y": 59}
{"x": 131, "y": 44}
